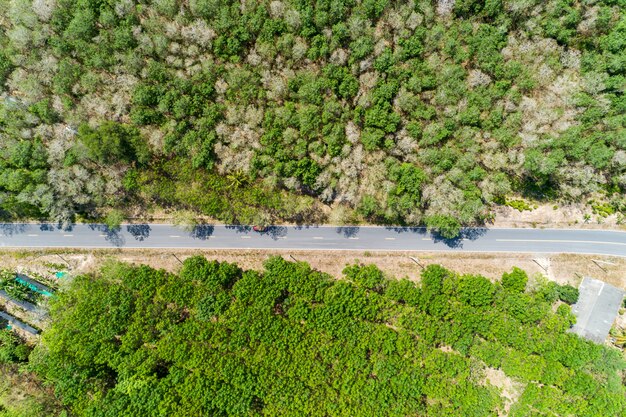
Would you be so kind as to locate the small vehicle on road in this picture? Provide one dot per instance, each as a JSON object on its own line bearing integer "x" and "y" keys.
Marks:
{"x": 259, "y": 228}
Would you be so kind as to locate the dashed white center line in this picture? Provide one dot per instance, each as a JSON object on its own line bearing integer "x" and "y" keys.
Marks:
{"x": 32, "y": 235}
{"x": 246, "y": 237}
{"x": 317, "y": 237}
{"x": 390, "y": 238}
{"x": 68, "y": 235}
{"x": 426, "y": 238}
{"x": 102, "y": 235}
{"x": 354, "y": 238}
{"x": 174, "y": 236}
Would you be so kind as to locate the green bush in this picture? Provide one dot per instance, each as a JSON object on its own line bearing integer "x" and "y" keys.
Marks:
{"x": 368, "y": 277}
{"x": 447, "y": 226}
{"x": 515, "y": 281}
{"x": 220, "y": 340}
{"x": 113, "y": 142}
{"x": 12, "y": 348}
{"x": 568, "y": 294}
{"x": 476, "y": 290}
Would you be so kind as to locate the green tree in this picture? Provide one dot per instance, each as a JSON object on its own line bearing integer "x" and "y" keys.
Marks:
{"x": 476, "y": 290}
{"x": 447, "y": 226}
{"x": 568, "y": 294}
{"x": 114, "y": 219}
{"x": 12, "y": 348}
{"x": 113, "y": 142}
{"x": 515, "y": 281}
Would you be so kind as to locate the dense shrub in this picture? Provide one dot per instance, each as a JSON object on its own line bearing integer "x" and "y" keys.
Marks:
{"x": 219, "y": 340}
{"x": 568, "y": 294}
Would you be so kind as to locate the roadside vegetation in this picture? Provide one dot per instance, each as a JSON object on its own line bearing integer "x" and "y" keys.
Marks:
{"x": 214, "y": 339}
{"x": 403, "y": 112}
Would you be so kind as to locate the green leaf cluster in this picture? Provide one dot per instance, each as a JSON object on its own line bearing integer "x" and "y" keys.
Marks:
{"x": 217, "y": 340}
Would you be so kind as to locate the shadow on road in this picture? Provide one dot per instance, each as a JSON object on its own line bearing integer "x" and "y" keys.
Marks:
{"x": 473, "y": 233}
{"x": 457, "y": 242}
{"x": 348, "y": 231}
{"x": 239, "y": 228}
{"x": 406, "y": 229}
{"x": 139, "y": 231}
{"x": 9, "y": 229}
{"x": 46, "y": 227}
{"x": 202, "y": 231}
{"x": 113, "y": 236}
{"x": 275, "y": 232}
{"x": 305, "y": 226}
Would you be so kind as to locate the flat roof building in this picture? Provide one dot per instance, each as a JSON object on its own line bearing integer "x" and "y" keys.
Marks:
{"x": 596, "y": 309}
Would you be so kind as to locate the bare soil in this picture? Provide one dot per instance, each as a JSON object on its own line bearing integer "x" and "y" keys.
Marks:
{"x": 546, "y": 215}
{"x": 570, "y": 216}
{"x": 510, "y": 390}
{"x": 562, "y": 268}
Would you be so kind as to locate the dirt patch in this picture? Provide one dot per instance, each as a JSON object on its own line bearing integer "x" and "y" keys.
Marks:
{"x": 510, "y": 390}
{"x": 547, "y": 216}
{"x": 23, "y": 393}
{"x": 562, "y": 268}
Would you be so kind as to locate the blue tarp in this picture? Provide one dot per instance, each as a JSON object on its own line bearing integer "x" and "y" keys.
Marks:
{"x": 14, "y": 322}
{"x": 33, "y": 285}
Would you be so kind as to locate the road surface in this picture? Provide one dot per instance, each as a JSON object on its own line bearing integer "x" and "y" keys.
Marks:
{"x": 603, "y": 242}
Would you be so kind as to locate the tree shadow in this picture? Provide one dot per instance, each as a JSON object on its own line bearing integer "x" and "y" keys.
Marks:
{"x": 46, "y": 227}
{"x": 305, "y": 226}
{"x": 10, "y": 229}
{"x": 455, "y": 242}
{"x": 139, "y": 231}
{"x": 348, "y": 231}
{"x": 275, "y": 232}
{"x": 407, "y": 229}
{"x": 113, "y": 236}
{"x": 202, "y": 231}
{"x": 239, "y": 228}
{"x": 471, "y": 233}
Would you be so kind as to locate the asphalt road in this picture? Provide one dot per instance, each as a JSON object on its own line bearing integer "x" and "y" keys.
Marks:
{"x": 313, "y": 238}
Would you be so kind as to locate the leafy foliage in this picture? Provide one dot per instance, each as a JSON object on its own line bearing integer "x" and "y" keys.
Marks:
{"x": 411, "y": 113}
{"x": 113, "y": 142}
{"x": 12, "y": 349}
{"x": 217, "y": 340}
{"x": 515, "y": 281}
{"x": 568, "y": 294}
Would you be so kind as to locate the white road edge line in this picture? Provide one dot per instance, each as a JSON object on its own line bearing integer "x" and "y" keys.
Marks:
{"x": 68, "y": 235}
{"x": 246, "y": 237}
{"x": 174, "y": 236}
{"x": 561, "y": 241}
{"x": 390, "y": 238}
{"x": 318, "y": 237}
{"x": 32, "y": 235}
{"x": 303, "y": 249}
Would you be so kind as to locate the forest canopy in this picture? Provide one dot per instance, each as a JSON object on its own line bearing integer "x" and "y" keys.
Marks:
{"x": 214, "y": 339}
{"x": 400, "y": 112}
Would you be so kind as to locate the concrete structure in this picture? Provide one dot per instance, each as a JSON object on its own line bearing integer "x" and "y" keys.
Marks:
{"x": 15, "y": 323}
{"x": 596, "y": 309}
{"x": 25, "y": 305}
